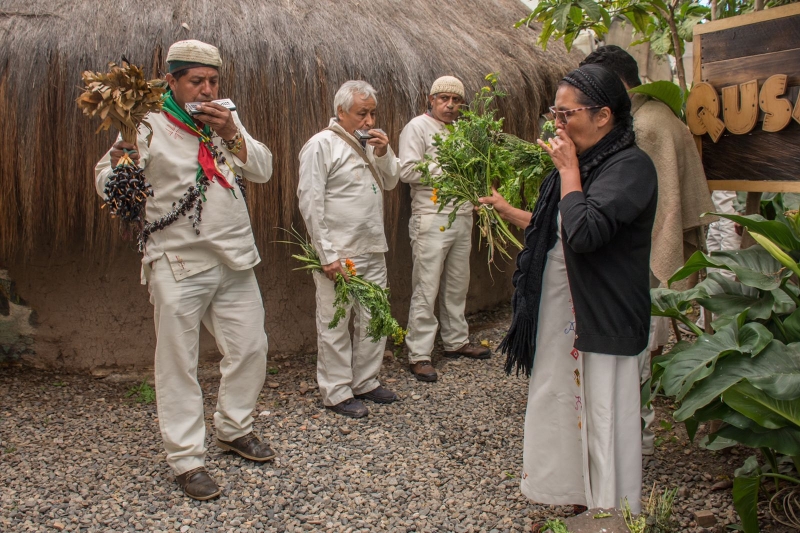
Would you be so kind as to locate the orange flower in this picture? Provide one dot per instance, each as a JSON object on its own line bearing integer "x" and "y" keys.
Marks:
{"x": 435, "y": 197}
{"x": 351, "y": 267}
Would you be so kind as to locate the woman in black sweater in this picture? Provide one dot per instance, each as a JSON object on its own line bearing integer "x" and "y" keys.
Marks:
{"x": 582, "y": 301}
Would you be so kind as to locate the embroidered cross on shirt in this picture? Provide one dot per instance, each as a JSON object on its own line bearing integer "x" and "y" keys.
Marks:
{"x": 174, "y": 131}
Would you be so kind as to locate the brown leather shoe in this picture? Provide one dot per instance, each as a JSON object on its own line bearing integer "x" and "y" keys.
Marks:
{"x": 350, "y": 407}
{"x": 198, "y": 485}
{"x": 472, "y": 352}
{"x": 248, "y": 446}
{"x": 379, "y": 395}
{"x": 423, "y": 371}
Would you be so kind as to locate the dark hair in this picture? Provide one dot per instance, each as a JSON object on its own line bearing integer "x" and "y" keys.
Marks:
{"x": 618, "y": 61}
{"x": 596, "y": 85}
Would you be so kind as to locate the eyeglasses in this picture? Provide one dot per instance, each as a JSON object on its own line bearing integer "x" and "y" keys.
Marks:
{"x": 564, "y": 114}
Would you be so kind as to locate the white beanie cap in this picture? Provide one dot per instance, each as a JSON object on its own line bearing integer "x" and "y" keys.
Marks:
{"x": 195, "y": 52}
{"x": 448, "y": 84}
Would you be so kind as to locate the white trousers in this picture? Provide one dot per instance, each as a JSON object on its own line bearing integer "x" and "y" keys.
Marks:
{"x": 228, "y": 303}
{"x": 441, "y": 267}
{"x": 347, "y": 367}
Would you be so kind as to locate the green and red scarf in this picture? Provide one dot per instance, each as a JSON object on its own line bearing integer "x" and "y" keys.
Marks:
{"x": 207, "y": 164}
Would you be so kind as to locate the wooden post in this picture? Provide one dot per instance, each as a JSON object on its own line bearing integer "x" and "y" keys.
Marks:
{"x": 752, "y": 207}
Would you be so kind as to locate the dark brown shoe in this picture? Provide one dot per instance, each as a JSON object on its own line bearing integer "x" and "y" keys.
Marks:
{"x": 350, "y": 407}
{"x": 423, "y": 371}
{"x": 248, "y": 446}
{"x": 379, "y": 395}
{"x": 472, "y": 352}
{"x": 198, "y": 485}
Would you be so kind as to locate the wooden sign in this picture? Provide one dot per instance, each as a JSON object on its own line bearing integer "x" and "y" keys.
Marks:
{"x": 744, "y": 106}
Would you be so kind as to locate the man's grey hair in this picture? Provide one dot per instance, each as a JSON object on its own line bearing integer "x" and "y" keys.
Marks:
{"x": 345, "y": 96}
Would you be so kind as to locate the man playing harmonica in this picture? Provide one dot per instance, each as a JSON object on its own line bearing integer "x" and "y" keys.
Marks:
{"x": 200, "y": 269}
{"x": 341, "y": 199}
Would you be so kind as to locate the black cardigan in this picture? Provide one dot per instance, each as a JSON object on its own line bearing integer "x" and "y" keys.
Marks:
{"x": 606, "y": 233}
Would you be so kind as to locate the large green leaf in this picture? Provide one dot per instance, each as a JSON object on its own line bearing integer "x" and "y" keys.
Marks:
{"x": 763, "y": 409}
{"x": 672, "y": 303}
{"x": 791, "y": 326}
{"x": 775, "y": 370}
{"x": 698, "y": 361}
{"x": 724, "y": 296}
{"x": 775, "y": 251}
{"x": 664, "y": 91}
{"x": 778, "y": 232}
{"x": 745, "y": 500}
{"x": 754, "y": 267}
{"x": 784, "y": 440}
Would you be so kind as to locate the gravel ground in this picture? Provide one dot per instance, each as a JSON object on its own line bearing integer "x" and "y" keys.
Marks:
{"x": 76, "y": 453}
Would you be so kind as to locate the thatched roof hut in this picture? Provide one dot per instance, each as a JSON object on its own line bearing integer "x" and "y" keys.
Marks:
{"x": 283, "y": 61}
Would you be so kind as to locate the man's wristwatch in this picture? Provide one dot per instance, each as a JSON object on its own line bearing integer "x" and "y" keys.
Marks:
{"x": 235, "y": 144}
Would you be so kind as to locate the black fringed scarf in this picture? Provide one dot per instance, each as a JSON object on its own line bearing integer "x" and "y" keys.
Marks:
{"x": 519, "y": 344}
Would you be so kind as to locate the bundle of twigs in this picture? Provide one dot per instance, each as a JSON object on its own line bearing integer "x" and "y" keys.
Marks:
{"x": 122, "y": 98}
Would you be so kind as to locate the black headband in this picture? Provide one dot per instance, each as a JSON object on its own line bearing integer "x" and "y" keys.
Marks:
{"x": 588, "y": 85}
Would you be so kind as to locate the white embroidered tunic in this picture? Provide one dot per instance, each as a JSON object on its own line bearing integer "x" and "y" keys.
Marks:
{"x": 340, "y": 201}
{"x": 170, "y": 165}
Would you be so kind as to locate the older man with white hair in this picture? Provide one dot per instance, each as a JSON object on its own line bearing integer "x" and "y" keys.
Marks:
{"x": 200, "y": 270}
{"x": 441, "y": 258}
{"x": 342, "y": 179}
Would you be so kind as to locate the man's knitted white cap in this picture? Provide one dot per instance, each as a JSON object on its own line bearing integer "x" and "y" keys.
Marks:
{"x": 448, "y": 84}
{"x": 192, "y": 51}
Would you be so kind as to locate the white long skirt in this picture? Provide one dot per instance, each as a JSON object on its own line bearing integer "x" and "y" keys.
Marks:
{"x": 582, "y": 441}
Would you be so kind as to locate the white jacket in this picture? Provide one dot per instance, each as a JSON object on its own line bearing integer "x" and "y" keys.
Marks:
{"x": 170, "y": 164}
{"x": 340, "y": 202}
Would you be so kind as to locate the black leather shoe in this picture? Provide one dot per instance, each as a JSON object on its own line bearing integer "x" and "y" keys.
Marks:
{"x": 472, "y": 352}
{"x": 198, "y": 485}
{"x": 248, "y": 446}
{"x": 379, "y": 395}
{"x": 423, "y": 371}
{"x": 350, "y": 407}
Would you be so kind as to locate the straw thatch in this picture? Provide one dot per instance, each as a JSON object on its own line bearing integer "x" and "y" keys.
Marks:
{"x": 283, "y": 60}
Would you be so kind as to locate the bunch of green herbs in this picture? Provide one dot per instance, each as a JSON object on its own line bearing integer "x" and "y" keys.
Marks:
{"x": 367, "y": 294}
{"x": 472, "y": 159}
{"x": 531, "y": 164}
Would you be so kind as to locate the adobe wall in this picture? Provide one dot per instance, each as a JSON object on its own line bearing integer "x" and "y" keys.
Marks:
{"x": 92, "y": 313}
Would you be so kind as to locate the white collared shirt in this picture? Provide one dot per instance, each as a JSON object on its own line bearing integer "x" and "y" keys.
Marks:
{"x": 170, "y": 164}
{"x": 340, "y": 201}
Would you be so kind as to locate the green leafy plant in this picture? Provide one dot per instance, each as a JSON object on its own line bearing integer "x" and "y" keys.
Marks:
{"x": 747, "y": 372}
{"x": 667, "y": 92}
{"x": 531, "y": 164}
{"x": 142, "y": 393}
{"x": 368, "y": 294}
{"x": 555, "y": 526}
{"x": 472, "y": 160}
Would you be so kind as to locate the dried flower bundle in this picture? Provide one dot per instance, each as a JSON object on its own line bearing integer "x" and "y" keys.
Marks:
{"x": 121, "y": 97}
{"x": 369, "y": 295}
